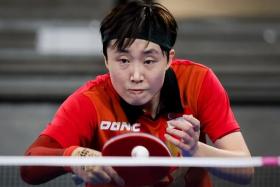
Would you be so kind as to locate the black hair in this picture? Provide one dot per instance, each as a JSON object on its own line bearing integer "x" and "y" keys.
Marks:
{"x": 139, "y": 19}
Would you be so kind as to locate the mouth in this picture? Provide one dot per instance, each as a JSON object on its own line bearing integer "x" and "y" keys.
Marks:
{"x": 136, "y": 91}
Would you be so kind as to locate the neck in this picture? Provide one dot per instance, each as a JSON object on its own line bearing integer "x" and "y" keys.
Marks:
{"x": 152, "y": 106}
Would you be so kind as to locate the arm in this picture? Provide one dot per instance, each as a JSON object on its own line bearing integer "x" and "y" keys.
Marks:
{"x": 185, "y": 136}
{"x": 220, "y": 125}
{"x": 218, "y": 122}
{"x": 47, "y": 146}
{"x": 68, "y": 119}
{"x": 76, "y": 119}
{"x": 42, "y": 146}
{"x": 231, "y": 145}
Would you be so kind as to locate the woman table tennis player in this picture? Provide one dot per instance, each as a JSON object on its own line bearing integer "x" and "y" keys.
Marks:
{"x": 144, "y": 88}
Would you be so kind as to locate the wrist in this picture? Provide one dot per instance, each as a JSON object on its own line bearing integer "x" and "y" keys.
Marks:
{"x": 68, "y": 152}
{"x": 197, "y": 152}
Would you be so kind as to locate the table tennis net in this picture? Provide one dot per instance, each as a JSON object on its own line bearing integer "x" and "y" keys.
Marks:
{"x": 267, "y": 169}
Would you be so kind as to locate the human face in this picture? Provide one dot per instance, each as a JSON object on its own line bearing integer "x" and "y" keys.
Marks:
{"x": 137, "y": 72}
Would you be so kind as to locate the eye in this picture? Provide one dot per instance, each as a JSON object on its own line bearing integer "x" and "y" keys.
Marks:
{"x": 149, "y": 61}
{"x": 124, "y": 60}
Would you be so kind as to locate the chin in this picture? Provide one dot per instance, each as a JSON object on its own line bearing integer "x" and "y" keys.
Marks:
{"x": 136, "y": 102}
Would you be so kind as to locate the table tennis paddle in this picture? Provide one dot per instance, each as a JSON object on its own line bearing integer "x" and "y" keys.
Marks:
{"x": 138, "y": 144}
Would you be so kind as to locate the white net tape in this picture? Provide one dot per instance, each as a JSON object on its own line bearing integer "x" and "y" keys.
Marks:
{"x": 264, "y": 174}
{"x": 228, "y": 162}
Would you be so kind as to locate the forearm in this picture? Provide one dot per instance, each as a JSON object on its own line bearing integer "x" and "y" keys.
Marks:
{"x": 205, "y": 150}
{"x": 42, "y": 146}
{"x": 41, "y": 174}
{"x": 237, "y": 175}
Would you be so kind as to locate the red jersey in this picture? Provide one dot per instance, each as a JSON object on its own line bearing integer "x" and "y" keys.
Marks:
{"x": 94, "y": 114}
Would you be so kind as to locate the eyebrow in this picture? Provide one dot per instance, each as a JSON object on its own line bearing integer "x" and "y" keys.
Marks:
{"x": 146, "y": 52}
{"x": 123, "y": 50}
{"x": 150, "y": 51}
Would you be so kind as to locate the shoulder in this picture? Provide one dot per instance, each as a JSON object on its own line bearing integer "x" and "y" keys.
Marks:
{"x": 177, "y": 64}
{"x": 99, "y": 81}
{"x": 186, "y": 69}
{"x": 190, "y": 72}
{"x": 92, "y": 87}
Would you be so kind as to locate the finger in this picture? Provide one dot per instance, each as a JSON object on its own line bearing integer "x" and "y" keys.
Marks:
{"x": 177, "y": 142}
{"x": 100, "y": 175}
{"x": 186, "y": 128}
{"x": 178, "y": 134}
{"x": 195, "y": 122}
{"x": 94, "y": 179}
{"x": 180, "y": 124}
{"x": 114, "y": 175}
{"x": 77, "y": 180}
{"x": 183, "y": 137}
{"x": 79, "y": 172}
{"x": 187, "y": 150}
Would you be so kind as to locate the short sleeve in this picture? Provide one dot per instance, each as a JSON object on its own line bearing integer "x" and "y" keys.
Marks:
{"x": 214, "y": 111}
{"x": 74, "y": 122}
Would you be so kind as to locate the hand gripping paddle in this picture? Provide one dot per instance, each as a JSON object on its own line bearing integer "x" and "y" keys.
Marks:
{"x": 138, "y": 145}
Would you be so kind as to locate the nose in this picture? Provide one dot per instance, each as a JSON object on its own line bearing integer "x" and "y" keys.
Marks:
{"x": 136, "y": 74}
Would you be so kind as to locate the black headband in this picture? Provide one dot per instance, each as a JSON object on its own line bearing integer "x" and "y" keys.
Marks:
{"x": 157, "y": 37}
{"x": 155, "y": 32}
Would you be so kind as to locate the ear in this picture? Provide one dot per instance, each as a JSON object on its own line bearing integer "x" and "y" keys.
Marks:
{"x": 171, "y": 56}
{"x": 105, "y": 61}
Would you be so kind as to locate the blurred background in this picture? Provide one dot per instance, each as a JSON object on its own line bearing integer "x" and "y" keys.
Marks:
{"x": 48, "y": 48}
